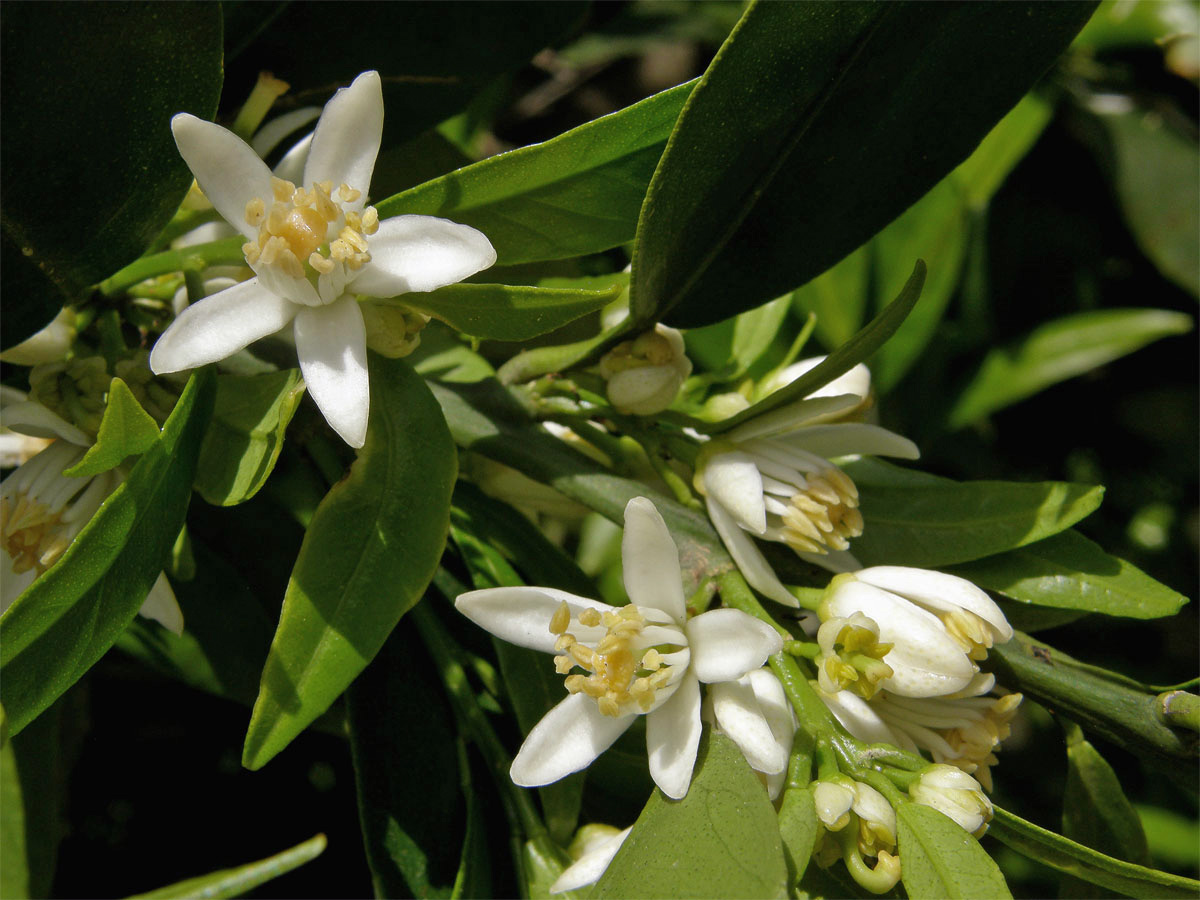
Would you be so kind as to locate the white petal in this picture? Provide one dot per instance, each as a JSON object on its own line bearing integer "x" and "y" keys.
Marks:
{"x": 331, "y": 343}
{"x": 589, "y": 867}
{"x": 738, "y": 713}
{"x": 219, "y": 326}
{"x": 833, "y": 561}
{"x": 728, "y": 643}
{"x": 651, "y": 561}
{"x": 30, "y": 417}
{"x": 347, "y": 138}
{"x": 227, "y": 170}
{"x": 161, "y": 606}
{"x": 567, "y": 739}
{"x": 673, "y": 737}
{"x": 793, "y": 415}
{"x": 847, "y": 438}
{"x": 421, "y": 253}
{"x": 291, "y": 166}
{"x": 735, "y": 481}
{"x": 521, "y": 615}
{"x": 773, "y": 703}
{"x": 859, "y": 718}
{"x": 749, "y": 558}
{"x": 268, "y": 137}
{"x": 645, "y": 390}
{"x": 938, "y": 591}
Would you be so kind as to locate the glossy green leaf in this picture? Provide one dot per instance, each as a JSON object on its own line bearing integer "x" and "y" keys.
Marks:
{"x": 1060, "y": 350}
{"x": 721, "y": 840}
{"x": 245, "y": 436}
{"x": 92, "y": 173}
{"x": 125, "y": 430}
{"x": 367, "y": 557}
{"x": 1067, "y": 571}
{"x": 508, "y": 312}
{"x": 838, "y": 297}
{"x": 914, "y": 519}
{"x": 1082, "y": 862}
{"x": 981, "y": 174}
{"x": 844, "y": 358}
{"x": 732, "y": 347}
{"x": 575, "y": 194}
{"x": 815, "y": 126}
{"x": 69, "y": 617}
{"x": 941, "y": 860}
{"x": 408, "y": 770}
{"x": 239, "y": 881}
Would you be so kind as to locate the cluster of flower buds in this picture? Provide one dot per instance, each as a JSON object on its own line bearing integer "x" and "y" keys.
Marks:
{"x": 859, "y": 824}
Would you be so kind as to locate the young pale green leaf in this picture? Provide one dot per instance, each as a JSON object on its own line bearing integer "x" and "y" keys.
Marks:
{"x": 408, "y": 771}
{"x": 732, "y": 347}
{"x": 913, "y": 519}
{"x": 981, "y": 174}
{"x": 1096, "y": 812}
{"x": 508, "y": 312}
{"x": 817, "y": 124}
{"x": 125, "y": 430}
{"x": 369, "y": 553}
{"x": 239, "y": 881}
{"x": 940, "y": 860}
{"x": 721, "y": 840}
{"x": 1060, "y": 350}
{"x": 838, "y": 297}
{"x": 1070, "y": 858}
{"x": 841, "y": 360}
{"x": 92, "y": 174}
{"x": 575, "y": 194}
{"x": 1067, "y": 571}
{"x": 69, "y": 617}
{"x": 245, "y": 436}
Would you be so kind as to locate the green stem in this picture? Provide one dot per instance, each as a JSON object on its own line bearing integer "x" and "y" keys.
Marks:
{"x": 225, "y": 252}
{"x": 182, "y": 222}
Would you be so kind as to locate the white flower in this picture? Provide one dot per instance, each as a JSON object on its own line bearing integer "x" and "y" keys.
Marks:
{"x": 596, "y": 846}
{"x": 51, "y": 344}
{"x": 772, "y": 477}
{"x": 755, "y": 714}
{"x": 956, "y": 794}
{"x": 645, "y": 374}
{"x": 647, "y": 658}
{"x": 312, "y": 249}
{"x": 42, "y": 510}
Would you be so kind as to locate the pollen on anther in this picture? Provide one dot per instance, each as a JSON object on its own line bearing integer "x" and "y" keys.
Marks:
{"x": 282, "y": 189}
{"x": 564, "y": 642}
{"x": 561, "y": 619}
{"x": 370, "y": 220}
{"x": 256, "y": 211}
{"x": 590, "y": 618}
{"x": 348, "y": 194}
{"x": 320, "y": 263}
{"x": 251, "y": 251}
{"x": 563, "y": 665}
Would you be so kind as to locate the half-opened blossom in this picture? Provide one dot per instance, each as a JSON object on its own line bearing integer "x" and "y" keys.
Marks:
{"x": 648, "y": 658}
{"x": 860, "y": 824}
{"x": 645, "y": 374}
{"x": 597, "y": 848}
{"x": 773, "y": 478}
{"x": 755, "y": 714}
{"x": 42, "y": 510}
{"x": 312, "y": 248}
{"x": 956, "y": 794}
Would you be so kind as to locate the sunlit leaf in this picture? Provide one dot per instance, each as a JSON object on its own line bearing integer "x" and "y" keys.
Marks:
{"x": 125, "y": 430}
{"x": 238, "y": 881}
{"x": 940, "y": 860}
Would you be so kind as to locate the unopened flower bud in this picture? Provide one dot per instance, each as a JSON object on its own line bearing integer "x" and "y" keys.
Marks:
{"x": 833, "y": 801}
{"x": 955, "y": 794}
{"x": 51, "y": 344}
{"x": 644, "y": 375}
{"x": 392, "y": 331}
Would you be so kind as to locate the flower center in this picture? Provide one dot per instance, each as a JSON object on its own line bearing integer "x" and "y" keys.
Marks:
{"x": 621, "y": 671}
{"x": 823, "y": 514}
{"x": 309, "y": 232}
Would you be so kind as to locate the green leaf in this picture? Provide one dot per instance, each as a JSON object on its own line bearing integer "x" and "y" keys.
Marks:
{"x": 982, "y": 173}
{"x": 838, "y": 297}
{"x": 1060, "y": 350}
{"x": 369, "y": 553}
{"x": 815, "y": 126}
{"x": 245, "y": 436}
{"x": 508, "y": 312}
{"x": 841, "y": 360}
{"x": 92, "y": 173}
{"x": 799, "y": 829}
{"x": 721, "y": 840}
{"x": 1173, "y": 839}
{"x": 14, "y": 864}
{"x": 1082, "y": 862}
{"x": 70, "y": 616}
{"x": 732, "y": 347}
{"x": 1067, "y": 571}
{"x": 941, "y": 860}
{"x": 575, "y": 194}
{"x": 34, "y": 772}
{"x": 239, "y": 881}
{"x": 126, "y": 430}
{"x": 914, "y": 519}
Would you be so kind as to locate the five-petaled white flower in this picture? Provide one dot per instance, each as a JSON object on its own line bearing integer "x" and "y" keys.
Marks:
{"x": 647, "y": 658}
{"x": 312, "y": 249}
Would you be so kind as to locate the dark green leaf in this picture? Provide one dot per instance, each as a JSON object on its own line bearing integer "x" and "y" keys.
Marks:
{"x": 91, "y": 173}
{"x": 239, "y": 881}
{"x": 125, "y": 430}
{"x": 245, "y": 436}
{"x": 69, "y": 617}
{"x": 816, "y": 125}
{"x": 799, "y": 829}
{"x": 1082, "y": 862}
{"x": 733, "y": 346}
{"x": 14, "y": 861}
{"x": 1067, "y": 571}
{"x": 1060, "y": 350}
{"x": 838, "y": 297}
{"x": 367, "y": 557}
{"x": 981, "y": 174}
{"x": 721, "y": 840}
{"x": 941, "y": 860}
{"x": 508, "y": 312}
{"x": 35, "y": 770}
{"x": 575, "y": 194}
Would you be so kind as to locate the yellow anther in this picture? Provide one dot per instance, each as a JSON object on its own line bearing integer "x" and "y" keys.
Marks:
{"x": 585, "y": 656}
{"x": 251, "y": 251}
{"x": 282, "y": 189}
{"x": 340, "y": 251}
{"x": 324, "y": 205}
{"x": 256, "y": 211}
{"x": 561, "y": 619}
{"x": 608, "y": 707}
{"x": 326, "y": 187}
{"x": 348, "y": 194}
{"x": 609, "y": 619}
{"x": 609, "y": 643}
{"x": 370, "y": 220}
{"x": 564, "y": 642}
{"x": 354, "y": 220}
{"x": 590, "y": 618}
{"x": 354, "y": 239}
{"x": 574, "y": 683}
{"x": 320, "y": 263}
{"x": 563, "y": 665}
{"x": 276, "y": 219}
{"x": 651, "y": 659}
